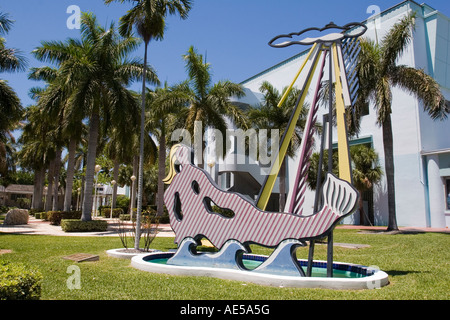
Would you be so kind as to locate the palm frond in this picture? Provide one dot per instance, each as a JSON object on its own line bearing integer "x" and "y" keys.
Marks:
{"x": 198, "y": 71}
{"x": 90, "y": 30}
{"x": 47, "y": 74}
{"x": 52, "y": 51}
{"x": 383, "y": 98}
{"x": 5, "y": 23}
{"x": 396, "y": 40}
{"x": 424, "y": 87}
{"x": 12, "y": 60}
{"x": 132, "y": 70}
{"x": 10, "y": 107}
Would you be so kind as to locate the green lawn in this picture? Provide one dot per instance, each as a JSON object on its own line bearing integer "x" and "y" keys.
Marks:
{"x": 418, "y": 266}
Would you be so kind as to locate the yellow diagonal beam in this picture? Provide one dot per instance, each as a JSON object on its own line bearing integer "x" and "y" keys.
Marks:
{"x": 344, "y": 160}
{"x": 270, "y": 179}
{"x": 286, "y": 93}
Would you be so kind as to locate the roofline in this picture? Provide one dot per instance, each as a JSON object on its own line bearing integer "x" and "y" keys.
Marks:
{"x": 276, "y": 66}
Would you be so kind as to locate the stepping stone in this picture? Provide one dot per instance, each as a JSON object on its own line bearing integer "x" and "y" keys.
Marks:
{"x": 80, "y": 257}
{"x": 351, "y": 245}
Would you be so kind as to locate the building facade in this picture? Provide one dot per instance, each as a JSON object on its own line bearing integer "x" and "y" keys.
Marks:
{"x": 421, "y": 145}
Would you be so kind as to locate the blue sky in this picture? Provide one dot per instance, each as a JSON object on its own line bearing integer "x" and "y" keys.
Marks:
{"x": 233, "y": 34}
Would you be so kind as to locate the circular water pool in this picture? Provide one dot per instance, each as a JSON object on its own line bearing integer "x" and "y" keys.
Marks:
{"x": 345, "y": 275}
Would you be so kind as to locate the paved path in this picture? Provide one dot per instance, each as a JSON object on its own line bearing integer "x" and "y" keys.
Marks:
{"x": 36, "y": 226}
{"x": 375, "y": 229}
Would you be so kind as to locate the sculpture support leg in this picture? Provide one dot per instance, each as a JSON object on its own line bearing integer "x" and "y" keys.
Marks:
{"x": 310, "y": 258}
{"x": 330, "y": 255}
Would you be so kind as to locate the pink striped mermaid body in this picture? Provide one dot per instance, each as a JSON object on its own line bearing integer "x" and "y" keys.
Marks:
{"x": 190, "y": 216}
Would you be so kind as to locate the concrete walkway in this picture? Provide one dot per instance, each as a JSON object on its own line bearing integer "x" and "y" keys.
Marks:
{"x": 376, "y": 229}
{"x": 40, "y": 227}
{"x": 36, "y": 226}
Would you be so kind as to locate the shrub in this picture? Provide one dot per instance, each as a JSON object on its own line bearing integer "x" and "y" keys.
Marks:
{"x": 126, "y": 217}
{"x": 16, "y": 216}
{"x": 43, "y": 215}
{"x": 164, "y": 219}
{"x": 122, "y": 201}
{"x": 55, "y": 217}
{"x": 33, "y": 212}
{"x": 75, "y": 225}
{"x": 19, "y": 282}
{"x": 24, "y": 203}
{"x": 106, "y": 212}
{"x": 39, "y": 215}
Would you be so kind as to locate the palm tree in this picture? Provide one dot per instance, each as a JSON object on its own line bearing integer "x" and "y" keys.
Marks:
{"x": 166, "y": 107}
{"x": 8, "y": 157}
{"x": 118, "y": 150}
{"x": 269, "y": 116}
{"x": 10, "y": 107}
{"x": 37, "y": 150}
{"x": 95, "y": 72}
{"x": 378, "y": 72}
{"x": 366, "y": 172}
{"x": 209, "y": 103}
{"x": 148, "y": 18}
{"x": 52, "y": 101}
{"x": 121, "y": 145}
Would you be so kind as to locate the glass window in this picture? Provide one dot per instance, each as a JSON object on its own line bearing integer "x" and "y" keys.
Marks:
{"x": 447, "y": 193}
{"x": 15, "y": 196}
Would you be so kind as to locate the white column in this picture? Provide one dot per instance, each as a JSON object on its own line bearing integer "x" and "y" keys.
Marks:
{"x": 436, "y": 193}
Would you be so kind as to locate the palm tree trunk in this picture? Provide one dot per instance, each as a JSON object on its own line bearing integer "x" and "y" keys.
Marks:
{"x": 70, "y": 174}
{"x": 388, "y": 144}
{"x": 161, "y": 172}
{"x": 141, "y": 157}
{"x": 361, "y": 209}
{"x": 39, "y": 176}
{"x": 37, "y": 185}
{"x": 198, "y": 143}
{"x": 48, "y": 198}
{"x": 115, "y": 177}
{"x": 86, "y": 214}
{"x": 56, "y": 180}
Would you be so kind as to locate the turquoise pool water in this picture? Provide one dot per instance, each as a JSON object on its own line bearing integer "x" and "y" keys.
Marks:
{"x": 316, "y": 271}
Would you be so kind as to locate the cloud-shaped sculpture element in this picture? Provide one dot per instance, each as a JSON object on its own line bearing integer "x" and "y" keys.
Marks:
{"x": 328, "y": 37}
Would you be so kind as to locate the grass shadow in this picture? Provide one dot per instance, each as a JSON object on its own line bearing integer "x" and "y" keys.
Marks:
{"x": 403, "y": 272}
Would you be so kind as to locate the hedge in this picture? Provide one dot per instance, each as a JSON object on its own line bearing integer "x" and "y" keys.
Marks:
{"x": 19, "y": 282}
{"x": 162, "y": 219}
{"x": 106, "y": 212}
{"x": 55, "y": 217}
{"x": 76, "y": 225}
{"x": 41, "y": 215}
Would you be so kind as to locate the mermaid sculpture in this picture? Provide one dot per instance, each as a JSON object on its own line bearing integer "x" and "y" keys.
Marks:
{"x": 189, "y": 199}
{"x": 192, "y": 196}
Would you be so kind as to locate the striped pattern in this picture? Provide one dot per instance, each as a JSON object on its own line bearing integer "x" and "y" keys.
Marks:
{"x": 249, "y": 224}
{"x": 350, "y": 51}
{"x": 306, "y": 148}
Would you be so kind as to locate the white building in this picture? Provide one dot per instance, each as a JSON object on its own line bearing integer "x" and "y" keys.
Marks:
{"x": 421, "y": 145}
